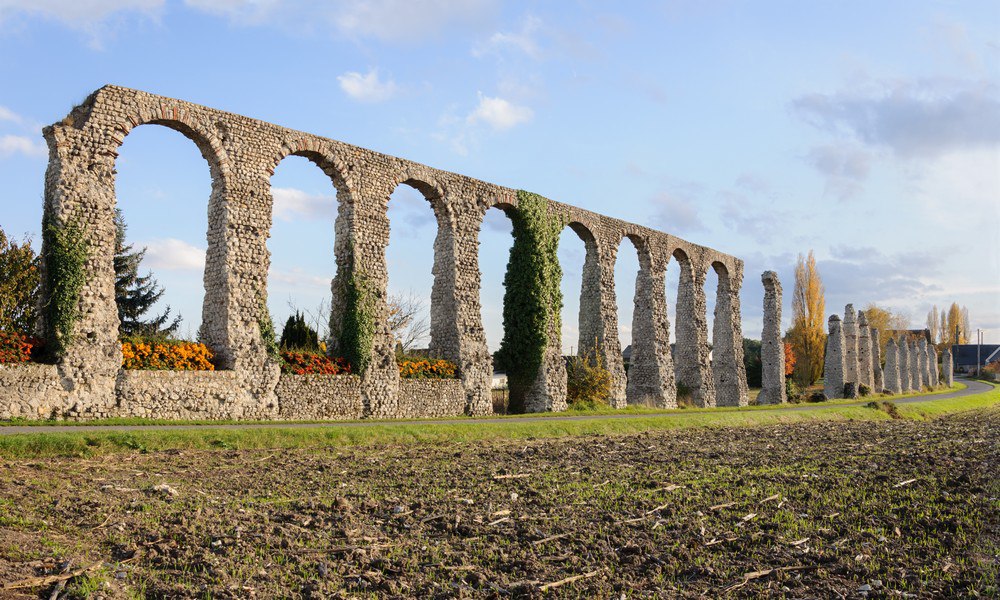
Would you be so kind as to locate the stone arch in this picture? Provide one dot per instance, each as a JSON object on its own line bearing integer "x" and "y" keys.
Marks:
{"x": 211, "y": 323}
{"x": 445, "y": 337}
{"x": 691, "y": 354}
{"x": 650, "y": 380}
{"x": 334, "y": 169}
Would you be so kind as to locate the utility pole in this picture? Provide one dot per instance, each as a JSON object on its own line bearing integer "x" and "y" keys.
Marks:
{"x": 979, "y": 346}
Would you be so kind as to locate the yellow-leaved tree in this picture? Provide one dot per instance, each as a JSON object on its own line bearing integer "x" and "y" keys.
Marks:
{"x": 808, "y": 332}
{"x": 887, "y": 322}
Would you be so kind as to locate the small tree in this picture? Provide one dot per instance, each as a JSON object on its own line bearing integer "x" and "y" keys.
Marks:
{"x": 136, "y": 294}
{"x": 407, "y": 320}
{"x": 789, "y": 360}
{"x": 588, "y": 383}
{"x": 297, "y": 335}
{"x": 19, "y": 285}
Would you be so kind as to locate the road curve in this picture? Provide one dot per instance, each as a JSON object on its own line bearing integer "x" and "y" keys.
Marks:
{"x": 972, "y": 387}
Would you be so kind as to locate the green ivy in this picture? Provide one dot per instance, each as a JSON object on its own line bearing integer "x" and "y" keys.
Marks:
{"x": 357, "y": 338}
{"x": 66, "y": 250}
{"x": 266, "y": 325}
{"x": 532, "y": 297}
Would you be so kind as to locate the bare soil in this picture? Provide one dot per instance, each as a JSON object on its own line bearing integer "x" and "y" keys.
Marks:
{"x": 826, "y": 510}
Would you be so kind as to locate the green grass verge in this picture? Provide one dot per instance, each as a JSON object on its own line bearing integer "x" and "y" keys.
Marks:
{"x": 89, "y": 443}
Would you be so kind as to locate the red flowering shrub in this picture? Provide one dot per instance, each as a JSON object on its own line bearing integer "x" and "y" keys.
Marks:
{"x": 18, "y": 348}
{"x": 309, "y": 363}
{"x": 427, "y": 369}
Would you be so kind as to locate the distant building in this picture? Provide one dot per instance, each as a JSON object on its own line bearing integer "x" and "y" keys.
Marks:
{"x": 964, "y": 356}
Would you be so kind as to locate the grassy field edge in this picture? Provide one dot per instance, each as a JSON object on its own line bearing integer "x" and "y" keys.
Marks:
{"x": 90, "y": 443}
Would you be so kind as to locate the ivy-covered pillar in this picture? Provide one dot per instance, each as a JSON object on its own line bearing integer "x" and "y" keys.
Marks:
{"x": 79, "y": 318}
{"x": 360, "y": 319}
{"x": 531, "y": 350}
{"x": 651, "y": 368}
{"x": 729, "y": 371}
{"x": 599, "y": 313}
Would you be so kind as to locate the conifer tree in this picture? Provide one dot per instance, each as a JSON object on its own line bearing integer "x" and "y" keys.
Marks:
{"x": 135, "y": 294}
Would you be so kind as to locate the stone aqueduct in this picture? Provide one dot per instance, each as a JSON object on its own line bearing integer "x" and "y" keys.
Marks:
{"x": 242, "y": 154}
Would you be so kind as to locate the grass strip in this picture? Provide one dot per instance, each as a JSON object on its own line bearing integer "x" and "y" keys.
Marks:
{"x": 93, "y": 443}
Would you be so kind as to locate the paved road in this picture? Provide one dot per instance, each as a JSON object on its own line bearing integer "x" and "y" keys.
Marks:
{"x": 973, "y": 387}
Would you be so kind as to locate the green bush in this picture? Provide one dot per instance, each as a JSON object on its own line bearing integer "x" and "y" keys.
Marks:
{"x": 684, "y": 393}
{"x": 792, "y": 390}
{"x": 588, "y": 383}
{"x": 297, "y": 335}
{"x": 752, "y": 362}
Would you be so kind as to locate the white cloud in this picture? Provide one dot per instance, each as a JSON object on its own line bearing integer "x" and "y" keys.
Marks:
{"x": 499, "y": 113}
{"x": 915, "y": 118}
{"x": 291, "y": 204}
{"x": 19, "y": 144}
{"x": 296, "y": 278}
{"x": 522, "y": 41}
{"x": 844, "y": 166}
{"x": 385, "y": 20}
{"x": 8, "y": 115}
{"x": 173, "y": 255}
{"x": 90, "y": 16}
{"x": 676, "y": 215}
{"x": 367, "y": 88}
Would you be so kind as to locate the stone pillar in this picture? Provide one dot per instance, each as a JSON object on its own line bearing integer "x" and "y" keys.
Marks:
{"x": 947, "y": 369}
{"x": 833, "y": 368}
{"x": 728, "y": 371}
{"x": 925, "y": 362}
{"x": 877, "y": 361}
{"x": 850, "y": 345}
{"x": 905, "y": 372}
{"x": 369, "y": 230}
{"x": 891, "y": 374}
{"x": 692, "y": 362}
{"x": 599, "y": 311}
{"x": 916, "y": 367}
{"x": 772, "y": 348}
{"x": 865, "y": 375}
{"x": 651, "y": 368}
{"x": 456, "y": 289}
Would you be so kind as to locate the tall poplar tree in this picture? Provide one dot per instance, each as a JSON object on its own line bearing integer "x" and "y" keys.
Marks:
{"x": 135, "y": 294}
{"x": 808, "y": 332}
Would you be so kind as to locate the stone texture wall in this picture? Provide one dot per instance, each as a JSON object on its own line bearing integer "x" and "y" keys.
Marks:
{"x": 421, "y": 398}
{"x": 833, "y": 368}
{"x": 242, "y": 154}
{"x": 772, "y": 348}
{"x": 320, "y": 397}
{"x": 186, "y": 395}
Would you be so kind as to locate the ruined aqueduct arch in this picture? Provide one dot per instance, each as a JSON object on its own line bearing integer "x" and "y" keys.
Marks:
{"x": 242, "y": 154}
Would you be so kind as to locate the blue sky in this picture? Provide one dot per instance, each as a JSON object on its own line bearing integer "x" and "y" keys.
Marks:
{"x": 868, "y": 132}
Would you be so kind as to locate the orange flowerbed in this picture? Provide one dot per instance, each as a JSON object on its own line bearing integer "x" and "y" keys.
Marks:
{"x": 167, "y": 356}
{"x": 308, "y": 363}
{"x": 427, "y": 369}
